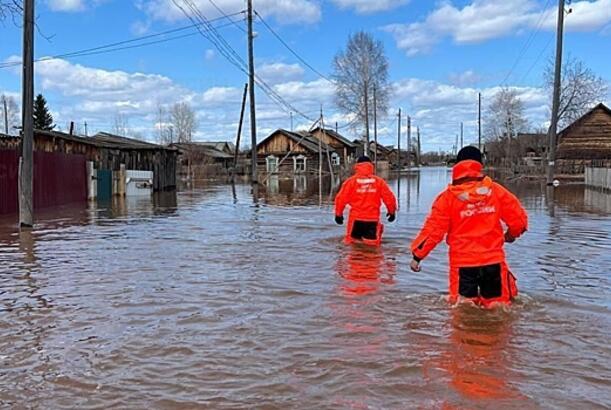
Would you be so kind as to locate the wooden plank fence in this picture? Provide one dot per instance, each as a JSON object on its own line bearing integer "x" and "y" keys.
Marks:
{"x": 598, "y": 177}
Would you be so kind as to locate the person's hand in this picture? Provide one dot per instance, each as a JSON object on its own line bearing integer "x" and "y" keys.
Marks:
{"x": 391, "y": 217}
{"x": 509, "y": 238}
{"x": 339, "y": 219}
{"x": 415, "y": 265}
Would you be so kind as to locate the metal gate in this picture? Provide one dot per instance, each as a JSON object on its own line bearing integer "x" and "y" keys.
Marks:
{"x": 104, "y": 184}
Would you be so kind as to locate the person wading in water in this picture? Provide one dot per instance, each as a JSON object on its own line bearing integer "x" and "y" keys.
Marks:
{"x": 469, "y": 214}
{"x": 364, "y": 192}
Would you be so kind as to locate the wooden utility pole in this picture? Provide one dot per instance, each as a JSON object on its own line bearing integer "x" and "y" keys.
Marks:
{"x": 251, "y": 86}
{"x": 86, "y": 129}
{"x": 26, "y": 169}
{"x": 399, "y": 142}
{"x": 553, "y": 129}
{"x": 418, "y": 147}
{"x": 237, "y": 142}
{"x": 375, "y": 128}
{"x": 409, "y": 141}
{"x": 5, "y": 115}
{"x": 479, "y": 122}
{"x": 461, "y": 136}
{"x": 367, "y": 120}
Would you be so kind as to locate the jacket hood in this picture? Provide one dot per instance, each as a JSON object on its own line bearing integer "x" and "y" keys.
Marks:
{"x": 364, "y": 168}
{"x": 467, "y": 169}
{"x": 473, "y": 191}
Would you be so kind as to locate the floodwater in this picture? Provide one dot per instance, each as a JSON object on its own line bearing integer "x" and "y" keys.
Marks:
{"x": 219, "y": 297}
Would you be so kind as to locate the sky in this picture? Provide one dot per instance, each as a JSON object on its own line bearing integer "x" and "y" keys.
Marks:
{"x": 441, "y": 55}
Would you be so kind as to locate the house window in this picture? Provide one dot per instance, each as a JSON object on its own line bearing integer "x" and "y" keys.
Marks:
{"x": 335, "y": 159}
{"x": 272, "y": 164}
{"x": 299, "y": 164}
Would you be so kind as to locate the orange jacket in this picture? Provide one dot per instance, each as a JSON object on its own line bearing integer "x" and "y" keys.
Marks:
{"x": 470, "y": 212}
{"x": 365, "y": 192}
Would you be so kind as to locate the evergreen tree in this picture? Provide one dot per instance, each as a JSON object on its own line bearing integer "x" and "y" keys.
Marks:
{"x": 42, "y": 117}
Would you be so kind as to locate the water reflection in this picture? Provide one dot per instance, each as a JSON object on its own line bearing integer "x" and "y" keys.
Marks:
{"x": 364, "y": 269}
{"x": 299, "y": 190}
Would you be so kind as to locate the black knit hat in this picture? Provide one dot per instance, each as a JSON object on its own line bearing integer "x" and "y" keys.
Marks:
{"x": 363, "y": 158}
{"x": 469, "y": 152}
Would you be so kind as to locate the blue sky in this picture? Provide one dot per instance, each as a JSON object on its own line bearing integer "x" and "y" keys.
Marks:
{"x": 441, "y": 55}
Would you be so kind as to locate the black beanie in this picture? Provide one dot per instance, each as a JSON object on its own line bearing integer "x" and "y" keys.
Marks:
{"x": 363, "y": 158}
{"x": 469, "y": 152}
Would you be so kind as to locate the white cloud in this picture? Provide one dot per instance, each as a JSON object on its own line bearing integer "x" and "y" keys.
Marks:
{"x": 66, "y": 5}
{"x": 370, "y": 6}
{"x": 275, "y": 73}
{"x": 285, "y": 11}
{"x": 483, "y": 20}
{"x": 465, "y": 78}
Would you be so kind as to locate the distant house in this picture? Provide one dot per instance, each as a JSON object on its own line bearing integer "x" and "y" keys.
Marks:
{"x": 346, "y": 149}
{"x": 300, "y": 151}
{"x": 203, "y": 160}
{"x": 586, "y": 142}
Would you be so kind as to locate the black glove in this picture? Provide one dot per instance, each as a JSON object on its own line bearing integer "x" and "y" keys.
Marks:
{"x": 339, "y": 219}
{"x": 391, "y": 217}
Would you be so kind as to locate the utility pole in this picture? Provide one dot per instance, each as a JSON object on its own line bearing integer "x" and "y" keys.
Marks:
{"x": 553, "y": 129}
{"x": 86, "y": 129}
{"x": 479, "y": 122}
{"x": 461, "y": 136}
{"x": 418, "y": 153}
{"x": 399, "y": 143}
{"x": 237, "y": 143}
{"x": 367, "y": 119}
{"x": 26, "y": 169}
{"x": 375, "y": 127}
{"x": 409, "y": 141}
{"x": 456, "y": 145}
{"x": 5, "y": 115}
{"x": 251, "y": 86}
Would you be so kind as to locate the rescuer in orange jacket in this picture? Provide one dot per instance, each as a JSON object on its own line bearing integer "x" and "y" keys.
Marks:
{"x": 469, "y": 214}
{"x": 364, "y": 192}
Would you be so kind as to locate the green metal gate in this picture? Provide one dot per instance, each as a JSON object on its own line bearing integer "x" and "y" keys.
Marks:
{"x": 104, "y": 184}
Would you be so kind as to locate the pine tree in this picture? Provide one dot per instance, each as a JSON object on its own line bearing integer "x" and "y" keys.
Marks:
{"x": 42, "y": 117}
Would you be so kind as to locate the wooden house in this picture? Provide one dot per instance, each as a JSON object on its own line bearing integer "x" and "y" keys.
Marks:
{"x": 108, "y": 152}
{"x": 204, "y": 160}
{"x": 346, "y": 149}
{"x": 288, "y": 153}
{"x": 586, "y": 142}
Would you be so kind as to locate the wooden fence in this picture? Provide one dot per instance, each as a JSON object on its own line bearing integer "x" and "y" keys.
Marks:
{"x": 598, "y": 177}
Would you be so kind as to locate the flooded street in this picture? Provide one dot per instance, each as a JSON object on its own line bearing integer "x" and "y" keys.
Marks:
{"x": 221, "y": 298}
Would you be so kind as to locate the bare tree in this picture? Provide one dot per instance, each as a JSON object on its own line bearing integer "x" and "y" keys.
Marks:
{"x": 361, "y": 70}
{"x": 580, "y": 90}
{"x": 184, "y": 122}
{"x": 121, "y": 125}
{"x": 10, "y": 8}
{"x": 10, "y": 119}
{"x": 505, "y": 116}
{"x": 163, "y": 125}
{"x": 184, "y": 125}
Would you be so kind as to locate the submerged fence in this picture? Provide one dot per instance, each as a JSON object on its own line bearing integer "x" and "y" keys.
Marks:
{"x": 58, "y": 179}
{"x": 598, "y": 177}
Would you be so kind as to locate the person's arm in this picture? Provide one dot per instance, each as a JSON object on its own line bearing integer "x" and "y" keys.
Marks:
{"x": 342, "y": 199}
{"x": 389, "y": 199}
{"x": 434, "y": 230}
{"x": 512, "y": 214}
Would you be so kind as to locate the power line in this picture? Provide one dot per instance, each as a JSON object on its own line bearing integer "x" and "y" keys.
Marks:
{"x": 290, "y": 49}
{"x": 528, "y": 42}
{"x": 225, "y": 15}
{"x": 549, "y": 42}
{"x": 111, "y": 47}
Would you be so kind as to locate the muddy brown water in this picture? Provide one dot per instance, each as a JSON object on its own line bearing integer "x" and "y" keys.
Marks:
{"x": 219, "y": 297}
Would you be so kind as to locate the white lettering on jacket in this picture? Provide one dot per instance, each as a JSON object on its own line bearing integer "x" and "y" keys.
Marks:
{"x": 486, "y": 209}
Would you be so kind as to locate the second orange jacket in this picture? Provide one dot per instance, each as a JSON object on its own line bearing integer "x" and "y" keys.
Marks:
{"x": 365, "y": 192}
{"x": 470, "y": 214}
